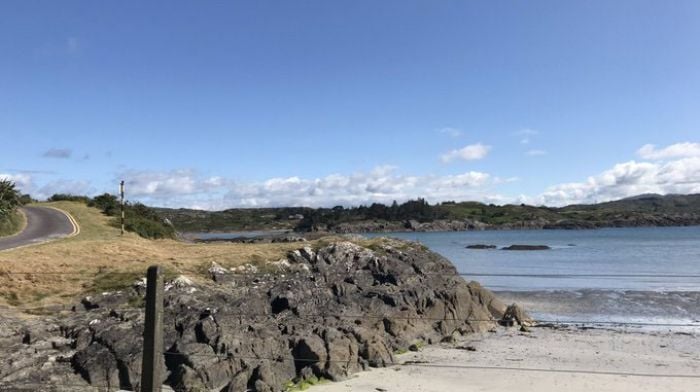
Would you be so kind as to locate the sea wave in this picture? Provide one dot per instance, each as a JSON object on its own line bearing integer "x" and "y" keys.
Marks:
{"x": 665, "y": 309}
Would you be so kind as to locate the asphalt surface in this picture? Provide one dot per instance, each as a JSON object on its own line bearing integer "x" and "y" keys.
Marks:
{"x": 43, "y": 224}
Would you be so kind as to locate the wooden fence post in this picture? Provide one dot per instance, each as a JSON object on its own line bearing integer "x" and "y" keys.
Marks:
{"x": 153, "y": 332}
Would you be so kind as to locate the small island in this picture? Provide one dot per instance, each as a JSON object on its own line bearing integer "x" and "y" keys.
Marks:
{"x": 526, "y": 247}
{"x": 481, "y": 246}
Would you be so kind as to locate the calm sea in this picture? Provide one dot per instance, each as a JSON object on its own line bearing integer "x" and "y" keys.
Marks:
{"x": 645, "y": 275}
{"x": 638, "y": 275}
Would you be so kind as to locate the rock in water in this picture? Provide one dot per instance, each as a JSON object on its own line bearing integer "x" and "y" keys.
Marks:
{"x": 527, "y": 247}
{"x": 481, "y": 246}
{"x": 323, "y": 313}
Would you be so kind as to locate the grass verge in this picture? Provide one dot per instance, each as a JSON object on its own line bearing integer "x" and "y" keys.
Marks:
{"x": 12, "y": 224}
{"x": 100, "y": 259}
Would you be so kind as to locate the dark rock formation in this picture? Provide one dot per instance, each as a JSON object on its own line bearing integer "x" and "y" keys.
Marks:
{"x": 481, "y": 246}
{"x": 324, "y": 313}
{"x": 261, "y": 239}
{"x": 515, "y": 315}
{"x": 526, "y": 247}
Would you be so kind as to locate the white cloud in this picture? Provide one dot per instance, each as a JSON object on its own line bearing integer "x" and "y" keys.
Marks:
{"x": 189, "y": 188}
{"x": 678, "y": 150}
{"x": 535, "y": 152}
{"x": 26, "y": 183}
{"x": 154, "y": 184}
{"x": 22, "y": 181}
{"x": 185, "y": 188}
{"x": 468, "y": 153}
{"x": 71, "y": 187}
{"x": 526, "y": 135}
{"x": 628, "y": 179}
{"x": 453, "y": 132}
{"x": 380, "y": 185}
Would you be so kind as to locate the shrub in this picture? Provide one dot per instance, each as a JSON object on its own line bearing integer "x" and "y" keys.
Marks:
{"x": 26, "y": 199}
{"x": 9, "y": 198}
{"x": 69, "y": 197}
{"x": 145, "y": 222}
{"x": 148, "y": 228}
{"x": 107, "y": 203}
{"x": 140, "y": 219}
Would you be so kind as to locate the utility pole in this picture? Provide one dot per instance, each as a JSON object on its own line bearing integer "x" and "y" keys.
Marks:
{"x": 121, "y": 193}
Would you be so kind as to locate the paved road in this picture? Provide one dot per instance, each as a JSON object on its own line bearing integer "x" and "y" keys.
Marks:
{"x": 43, "y": 224}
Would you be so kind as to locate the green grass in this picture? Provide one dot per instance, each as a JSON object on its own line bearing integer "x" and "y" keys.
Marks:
{"x": 12, "y": 224}
{"x": 99, "y": 259}
{"x": 93, "y": 226}
{"x": 302, "y": 385}
{"x": 241, "y": 219}
{"x": 114, "y": 281}
{"x": 12, "y": 298}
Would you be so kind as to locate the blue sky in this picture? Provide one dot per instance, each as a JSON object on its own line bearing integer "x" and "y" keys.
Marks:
{"x": 215, "y": 105}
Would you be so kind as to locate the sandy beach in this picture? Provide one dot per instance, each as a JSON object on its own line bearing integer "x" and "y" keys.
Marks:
{"x": 545, "y": 359}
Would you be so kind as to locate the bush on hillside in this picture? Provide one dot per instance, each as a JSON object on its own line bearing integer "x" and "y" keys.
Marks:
{"x": 139, "y": 218}
{"x": 9, "y": 198}
{"x": 108, "y": 204}
{"x": 26, "y": 199}
{"x": 145, "y": 222}
{"x": 69, "y": 197}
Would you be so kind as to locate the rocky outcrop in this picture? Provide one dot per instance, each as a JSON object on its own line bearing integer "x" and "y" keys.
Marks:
{"x": 480, "y": 246}
{"x": 620, "y": 220}
{"x": 319, "y": 313}
{"x": 526, "y": 247}
{"x": 261, "y": 239}
{"x": 409, "y": 225}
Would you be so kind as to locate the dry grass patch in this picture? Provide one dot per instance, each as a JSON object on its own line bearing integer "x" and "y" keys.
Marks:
{"x": 99, "y": 258}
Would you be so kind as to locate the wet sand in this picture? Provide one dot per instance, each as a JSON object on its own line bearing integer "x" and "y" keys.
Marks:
{"x": 545, "y": 359}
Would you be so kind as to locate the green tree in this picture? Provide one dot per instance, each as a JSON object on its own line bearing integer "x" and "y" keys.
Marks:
{"x": 26, "y": 199}
{"x": 9, "y": 197}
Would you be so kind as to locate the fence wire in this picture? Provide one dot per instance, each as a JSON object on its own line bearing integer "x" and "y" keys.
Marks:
{"x": 284, "y": 274}
{"x": 4, "y": 386}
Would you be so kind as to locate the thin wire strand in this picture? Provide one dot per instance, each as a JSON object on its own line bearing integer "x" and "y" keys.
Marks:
{"x": 433, "y": 365}
{"x": 467, "y": 319}
{"x": 50, "y": 384}
{"x": 407, "y": 363}
{"x": 285, "y": 317}
{"x": 283, "y": 273}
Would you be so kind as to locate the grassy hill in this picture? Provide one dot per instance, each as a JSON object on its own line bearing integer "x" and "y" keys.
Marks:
{"x": 100, "y": 259}
{"x": 643, "y": 210}
{"x": 241, "y": 219}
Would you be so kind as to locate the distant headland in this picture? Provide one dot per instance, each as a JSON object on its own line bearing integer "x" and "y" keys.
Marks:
{"x": 418, "y": 215}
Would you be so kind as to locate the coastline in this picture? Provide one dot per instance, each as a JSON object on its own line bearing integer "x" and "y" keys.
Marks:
{"x": 224, "y": 235}
{"x": 545, "y": 359}
{"x": 463, "y": 226}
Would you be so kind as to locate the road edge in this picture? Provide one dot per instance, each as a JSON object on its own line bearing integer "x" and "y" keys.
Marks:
{"x": 73, "y": 222}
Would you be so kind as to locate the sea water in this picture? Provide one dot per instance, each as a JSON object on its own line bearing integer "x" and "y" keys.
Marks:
{"x": 634, "y": 275}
